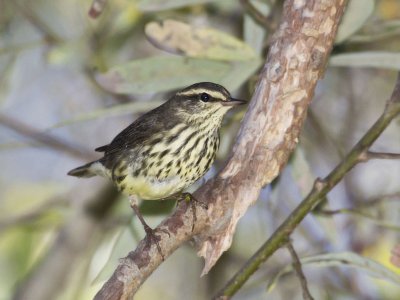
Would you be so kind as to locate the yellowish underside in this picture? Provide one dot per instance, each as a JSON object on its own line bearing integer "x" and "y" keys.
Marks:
{"x": 150, "y": 188}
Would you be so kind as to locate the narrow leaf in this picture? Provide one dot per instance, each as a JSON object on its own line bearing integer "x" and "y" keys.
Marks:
{"x": 156, "y": 5}
{"x": 373, "y": 59}
{"x": 344, "y": 259}
{"x": 181, "y": 38}
{"x": 157, "y": 74}
{"x": 116, "y": 110}
{"x": 355, "y": 15}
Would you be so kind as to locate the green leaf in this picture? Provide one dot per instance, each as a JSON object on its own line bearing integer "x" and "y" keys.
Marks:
{"x": 157, "y": 74}
{"x": 372, "y": 59}
{"x": 377, "y": 31}
{"x": 355, "y": 16}
{"x": 193, "y": 41}
{"x": 237, "y": 74}
{"x": 116, "y": 110}
{"x": 156, "y": 5}
{"x": 114, "y": 246}
{"x": 344, "y": 259}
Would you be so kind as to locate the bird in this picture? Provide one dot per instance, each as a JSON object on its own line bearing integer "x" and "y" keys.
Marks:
{"x": 167, "y": 149}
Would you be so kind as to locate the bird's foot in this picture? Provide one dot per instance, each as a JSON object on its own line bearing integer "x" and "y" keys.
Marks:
{"x": 153, "y": 238}
{"x": 188, "y": 198}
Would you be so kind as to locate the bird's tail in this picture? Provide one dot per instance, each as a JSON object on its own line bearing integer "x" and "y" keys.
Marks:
{"x": 89, "y": 170}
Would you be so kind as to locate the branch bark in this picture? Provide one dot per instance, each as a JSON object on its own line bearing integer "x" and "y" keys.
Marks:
{"x": 315, "y": 197}
{"x": 269, "y": 133}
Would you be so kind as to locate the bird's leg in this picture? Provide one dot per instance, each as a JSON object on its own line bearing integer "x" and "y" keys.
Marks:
{"x": 150, "y": 233}
{"x": 188, "y": 198}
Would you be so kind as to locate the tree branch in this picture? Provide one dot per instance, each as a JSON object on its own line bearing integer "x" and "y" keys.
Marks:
{"x": 316, "y": 196}
{"x": 377, "y": 155}
{"x": 269, "y": 133}
{"x": 266, "y": 21}
{"x": 297, "y": 267}
{"x": 45, "y": 138}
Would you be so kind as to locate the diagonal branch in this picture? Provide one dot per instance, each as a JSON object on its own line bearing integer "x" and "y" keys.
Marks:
{"x": 47, "y": 139}
{"x": 269, "y": 133}
{"x": 316, "y": 196}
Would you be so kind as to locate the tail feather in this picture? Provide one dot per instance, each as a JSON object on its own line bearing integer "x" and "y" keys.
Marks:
{"x": 83, "y": 171}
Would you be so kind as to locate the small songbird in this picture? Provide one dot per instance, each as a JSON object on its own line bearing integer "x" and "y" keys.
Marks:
{"x": 167, "y": 149}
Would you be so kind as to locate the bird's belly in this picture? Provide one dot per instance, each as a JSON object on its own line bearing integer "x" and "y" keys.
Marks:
{"x": 151, "y": 188}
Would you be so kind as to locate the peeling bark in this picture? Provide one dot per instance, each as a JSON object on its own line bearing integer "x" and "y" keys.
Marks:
{"x": 270, "y": 129}
{"x": 297, "y": 58}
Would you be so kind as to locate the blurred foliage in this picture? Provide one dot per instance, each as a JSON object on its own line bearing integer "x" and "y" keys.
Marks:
{"x": 82, "y": 80}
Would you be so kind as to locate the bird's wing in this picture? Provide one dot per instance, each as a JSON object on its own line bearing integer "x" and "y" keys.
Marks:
{"x": 136, "y": 134}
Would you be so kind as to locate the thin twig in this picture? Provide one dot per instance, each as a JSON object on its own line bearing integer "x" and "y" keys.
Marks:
{"x": 361, "y": 204}
{"x": 315, "y": 197}
{"x": 265, "y": 21}
{"x": 299, "y": 271}
{"x": 45, "y": 138}
{"x": 358, "y": 213}
{"x": 368, "y": 155}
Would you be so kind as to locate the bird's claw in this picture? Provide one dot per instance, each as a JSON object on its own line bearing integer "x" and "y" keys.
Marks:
{"x": 189, "y": 199}
{"x": 152, "y": 237}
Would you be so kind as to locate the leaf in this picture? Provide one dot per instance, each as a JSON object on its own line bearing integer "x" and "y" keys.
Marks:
{"x": 373, "y": 59}
{"x": 6, "y": 70}
{"x": 181, "y": 38}
{"x": 238, "y": 73}
{"x": 377, "y": 31}
{"x": 344, "y": 259}
{"x": 108, "y": 253}
{"x": 376, "y": 219}
{"x": 114, "y": 247}
{"x": 157, "y": 74}
{"x": 116, "y": 110}
{"x": 355, "y": 15}
{"x": 156, "y": 5}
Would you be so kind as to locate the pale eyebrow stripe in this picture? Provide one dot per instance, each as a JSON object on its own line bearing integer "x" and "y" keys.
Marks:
{"x": 214, "y": 94}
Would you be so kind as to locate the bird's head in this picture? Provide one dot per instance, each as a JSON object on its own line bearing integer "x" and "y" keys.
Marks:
{"x": 203, "y": 101}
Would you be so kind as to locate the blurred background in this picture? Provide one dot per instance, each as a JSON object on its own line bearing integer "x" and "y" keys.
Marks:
{"x": 70, "y": 82}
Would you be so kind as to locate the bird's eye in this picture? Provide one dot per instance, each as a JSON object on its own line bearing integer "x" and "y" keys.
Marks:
{"x": 204, "y": 97}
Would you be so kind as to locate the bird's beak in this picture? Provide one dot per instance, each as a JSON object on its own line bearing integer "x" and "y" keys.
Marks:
{"x": 233, "y": 102}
